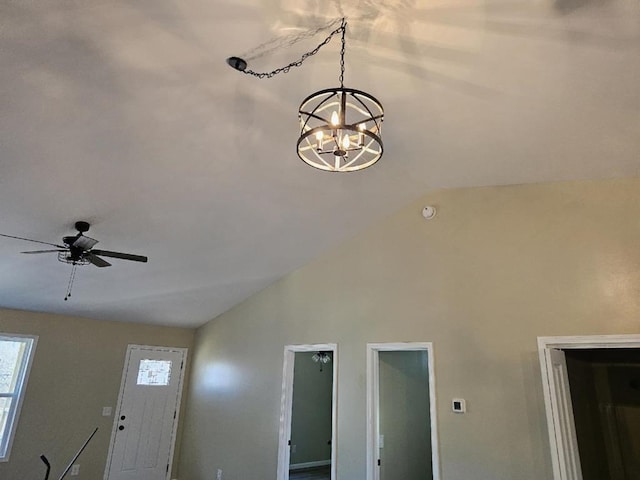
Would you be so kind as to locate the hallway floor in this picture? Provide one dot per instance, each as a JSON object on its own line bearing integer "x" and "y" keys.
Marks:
{"x": 318, "y": 473}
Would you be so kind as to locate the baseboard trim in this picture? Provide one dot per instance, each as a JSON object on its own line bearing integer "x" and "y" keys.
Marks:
{"x": 302, "y": 466}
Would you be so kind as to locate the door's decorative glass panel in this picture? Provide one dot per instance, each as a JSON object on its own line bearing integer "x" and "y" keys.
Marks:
{"x": 154, "y": 372}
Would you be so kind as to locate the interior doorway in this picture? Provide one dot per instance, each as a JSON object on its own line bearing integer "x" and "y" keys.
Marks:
{"x": 146, "y": 417}
{"x": 401, "y": 412}
{"x": 308, "y": 413}
{"x": 592, "y": 397}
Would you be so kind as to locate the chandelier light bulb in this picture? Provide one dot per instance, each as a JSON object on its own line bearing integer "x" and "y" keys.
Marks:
{"x": 335, "y": 120}
{"x": 346, "y": 142}
{"x": 320, "y": 139}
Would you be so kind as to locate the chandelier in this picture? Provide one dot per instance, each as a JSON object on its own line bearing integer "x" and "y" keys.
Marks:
{"x": 340, "y": 128}
{"x": 321, "y": 357}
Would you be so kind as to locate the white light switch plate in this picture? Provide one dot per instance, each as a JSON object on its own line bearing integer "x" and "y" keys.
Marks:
{"x": 75, "y": 470}
{"x": 106, "y": 411}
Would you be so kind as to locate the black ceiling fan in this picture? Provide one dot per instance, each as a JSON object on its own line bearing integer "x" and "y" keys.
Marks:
{"x": 78, "y": 249}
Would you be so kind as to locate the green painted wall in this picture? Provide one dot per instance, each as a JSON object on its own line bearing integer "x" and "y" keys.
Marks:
{"x": 311, "y": 410}
{"x": 404, "y": 416}
{"x": 495, "y": 269}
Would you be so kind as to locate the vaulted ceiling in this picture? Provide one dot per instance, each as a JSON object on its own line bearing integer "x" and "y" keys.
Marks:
{"x": 124, "y": 114}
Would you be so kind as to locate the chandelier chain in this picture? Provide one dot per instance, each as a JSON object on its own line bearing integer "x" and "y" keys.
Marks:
{"x": 341, "y": 29}
{"x": 342, "y": 50}
{"x": 288, "y": 40}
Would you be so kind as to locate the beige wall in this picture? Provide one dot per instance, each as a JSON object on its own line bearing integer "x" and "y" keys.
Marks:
{"x": 76, "y": 371}
{"x": 495, "y": 269}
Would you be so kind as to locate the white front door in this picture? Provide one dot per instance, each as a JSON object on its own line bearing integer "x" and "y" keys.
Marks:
{"x": 144, "y": 430}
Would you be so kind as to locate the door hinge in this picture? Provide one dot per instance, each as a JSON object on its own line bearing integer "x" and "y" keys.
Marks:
{"x": 167, "y": 468}
{"x": 181, "y": 364}
{"x": 379, "y": 462}
{"x": 174, "y": 414}
{"x": 289, "y": 443}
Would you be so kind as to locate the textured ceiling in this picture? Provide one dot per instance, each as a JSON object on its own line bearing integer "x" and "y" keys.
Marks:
{"x": 124, "y": 113}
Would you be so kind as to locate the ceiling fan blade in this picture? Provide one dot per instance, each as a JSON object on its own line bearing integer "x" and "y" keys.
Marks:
{"x": 43, "y": 251}
{"x": 85, "y": 243}
{"x": 122, "y": 256}
{"x": 34, "y": 241}
{"x": 97, "y": 261}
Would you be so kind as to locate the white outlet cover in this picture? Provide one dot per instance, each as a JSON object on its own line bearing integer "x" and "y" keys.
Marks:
{"x": 75, "y": 470}
{"x": 106, "y": 411}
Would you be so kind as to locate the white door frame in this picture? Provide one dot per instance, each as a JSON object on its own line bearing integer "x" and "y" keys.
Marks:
{"x": 114, "y": 429}
{"x": 553, "y": 397}
{"x": 373, "y": 392}
{"x": 284, "y": 453}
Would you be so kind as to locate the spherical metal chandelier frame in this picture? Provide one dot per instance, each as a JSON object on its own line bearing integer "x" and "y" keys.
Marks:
{"x": 340, "y": 130}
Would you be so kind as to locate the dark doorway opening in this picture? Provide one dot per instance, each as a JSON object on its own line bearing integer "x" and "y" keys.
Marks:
{"x": 605, "y": 395}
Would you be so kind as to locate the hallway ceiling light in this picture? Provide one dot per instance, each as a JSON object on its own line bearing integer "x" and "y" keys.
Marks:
{"x": 321, "y": 358}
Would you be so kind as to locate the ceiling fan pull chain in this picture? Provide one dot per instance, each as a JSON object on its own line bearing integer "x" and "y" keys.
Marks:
{"x": 71, "y": 279}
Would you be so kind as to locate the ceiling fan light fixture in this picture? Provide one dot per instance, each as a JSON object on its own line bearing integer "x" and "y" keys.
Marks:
{"x": 66, "y": 257}
{"x": 321, "y": 357}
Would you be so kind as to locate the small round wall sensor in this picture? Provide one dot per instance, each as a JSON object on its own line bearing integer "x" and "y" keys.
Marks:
{"x": 429, "y": 212}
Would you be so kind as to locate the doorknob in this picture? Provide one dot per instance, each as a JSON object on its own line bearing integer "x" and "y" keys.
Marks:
{"x": 121, "y": 427}
{"x": 122, "y": 417}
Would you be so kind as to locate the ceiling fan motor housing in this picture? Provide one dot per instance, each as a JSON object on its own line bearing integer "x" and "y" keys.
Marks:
{"x": 82, "y": 226}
